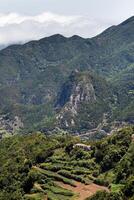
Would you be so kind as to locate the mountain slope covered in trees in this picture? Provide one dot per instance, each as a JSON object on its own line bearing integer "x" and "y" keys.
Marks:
{"x": 32, "y": 77}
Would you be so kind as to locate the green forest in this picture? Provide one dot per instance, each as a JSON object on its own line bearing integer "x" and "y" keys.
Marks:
{"x": 32, "y": 166}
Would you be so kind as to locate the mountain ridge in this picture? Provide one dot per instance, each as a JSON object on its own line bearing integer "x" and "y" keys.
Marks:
{"x": 34, "y": 73}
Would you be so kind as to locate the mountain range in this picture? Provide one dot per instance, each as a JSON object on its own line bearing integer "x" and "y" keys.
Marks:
{"x": 74, "y": 84}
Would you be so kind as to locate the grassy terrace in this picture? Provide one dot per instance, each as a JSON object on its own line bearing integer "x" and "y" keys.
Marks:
{"x": 36, "y": 167}
{"x": 61, "y": 167}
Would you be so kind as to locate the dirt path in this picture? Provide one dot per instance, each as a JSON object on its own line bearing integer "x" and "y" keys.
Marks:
{"x": 83, "y": 190}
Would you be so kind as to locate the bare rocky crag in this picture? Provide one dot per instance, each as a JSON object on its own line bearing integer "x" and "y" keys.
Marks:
{"x": 8, "y": 126}
{"x": 80, "y": 90}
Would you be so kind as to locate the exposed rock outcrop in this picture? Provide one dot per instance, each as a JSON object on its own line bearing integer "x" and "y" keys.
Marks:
{"x": 80, "y": 89}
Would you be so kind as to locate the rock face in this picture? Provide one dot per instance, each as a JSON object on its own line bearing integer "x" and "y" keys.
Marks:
{"x": 77, "y": 90}
{"x": 9, "y": 126}
{"x": 80, "y": 90}
{"x": 82, "y": 93}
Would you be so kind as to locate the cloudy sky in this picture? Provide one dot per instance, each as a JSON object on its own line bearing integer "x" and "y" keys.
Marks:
{"x": 24, "y": 20}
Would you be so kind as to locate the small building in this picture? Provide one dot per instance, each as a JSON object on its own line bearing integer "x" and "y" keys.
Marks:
{"x": 83, "y": 146}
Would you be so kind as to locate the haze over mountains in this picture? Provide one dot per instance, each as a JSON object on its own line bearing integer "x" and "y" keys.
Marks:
{"x": 70, "y": 83}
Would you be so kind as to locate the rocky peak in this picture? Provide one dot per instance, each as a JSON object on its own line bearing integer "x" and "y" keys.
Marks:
{"x": 77, "y": 89}
{"x": 82, "y": 91}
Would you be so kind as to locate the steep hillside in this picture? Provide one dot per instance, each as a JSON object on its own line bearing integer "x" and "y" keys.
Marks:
{"x": 115, "y": 48}
{"x": 120, "y": 176}
{"x": 124, "y": 85}
{"x": 63, "y": 167}
{"x": 83, "y": 101}
{"x": 32, "y": 76}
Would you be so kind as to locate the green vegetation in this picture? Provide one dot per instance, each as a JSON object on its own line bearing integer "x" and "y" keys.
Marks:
{"x": 33, "y": 75}
{"x": 107, "y": 196}
{"x": 32, "y": 166}
{"x": 124, "y": 85}
{"x": 67, "y": 85}
{"x": 118, "y": 171}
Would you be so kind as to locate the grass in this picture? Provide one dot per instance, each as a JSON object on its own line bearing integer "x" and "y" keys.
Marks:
{"x": 55, "y": 167}
{"x": 69, "y": 175}
{"x": 57, "y": 190}
{"x": 54, "y": 176}
{"x": 36, "y": 196}
{"x": 52, "y": 196}
{"x": 53, "y": 191}
{"x": 116, "y": 187}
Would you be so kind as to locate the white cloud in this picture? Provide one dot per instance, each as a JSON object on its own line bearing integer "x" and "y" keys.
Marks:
{"x": 16, "y": 28}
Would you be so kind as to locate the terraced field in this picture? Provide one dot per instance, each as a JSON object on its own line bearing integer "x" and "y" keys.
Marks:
{"x": 81, "y": 190}
{"x": 62, "y": 177}
{"x": 38, "y": 167}
{"x": 60, "y": 187}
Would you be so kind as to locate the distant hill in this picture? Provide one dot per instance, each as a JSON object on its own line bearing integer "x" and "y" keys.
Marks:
{"x": 32, "y": 77}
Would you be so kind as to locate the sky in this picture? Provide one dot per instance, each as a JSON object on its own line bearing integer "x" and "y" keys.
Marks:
{"x": 25, "y": 20}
